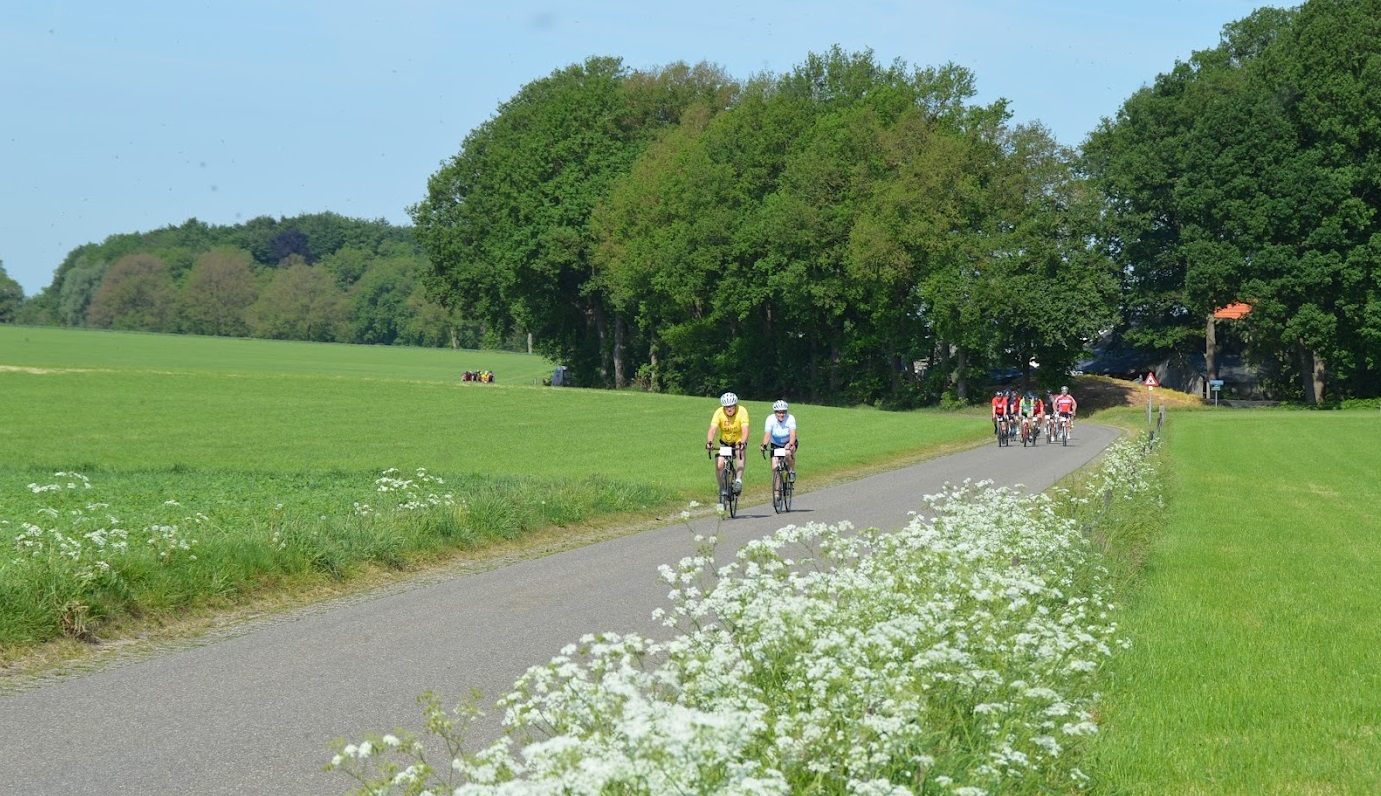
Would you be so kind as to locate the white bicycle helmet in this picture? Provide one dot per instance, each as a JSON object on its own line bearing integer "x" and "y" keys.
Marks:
{"x": 779, "y": 406}
{"x": 728, "y": 399}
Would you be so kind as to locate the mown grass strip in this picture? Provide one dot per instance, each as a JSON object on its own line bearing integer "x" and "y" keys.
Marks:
{"x": 1256, "y": 630}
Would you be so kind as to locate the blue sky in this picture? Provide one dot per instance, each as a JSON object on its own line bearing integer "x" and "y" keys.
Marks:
{"x": 131, "y": 116}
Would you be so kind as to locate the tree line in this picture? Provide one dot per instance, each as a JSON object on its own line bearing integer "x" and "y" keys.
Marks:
{"x": 317, "y": 277}
{"x": 848, "y": 232}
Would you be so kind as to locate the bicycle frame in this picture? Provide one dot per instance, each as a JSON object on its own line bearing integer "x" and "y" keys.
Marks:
{"x": 782, "y": 486}
{"x": 725, "y": 471}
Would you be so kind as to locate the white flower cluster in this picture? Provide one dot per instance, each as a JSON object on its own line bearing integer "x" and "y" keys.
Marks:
{"x": 88, "y": 553}
{"x": 78, "y": 481}
{"x": 87, "y": 541}
{"x": 1126, "y": 472}
{"x": 412, "y": 498}
{"x": 956, "y": 655}
{"x": 168, "y": 541}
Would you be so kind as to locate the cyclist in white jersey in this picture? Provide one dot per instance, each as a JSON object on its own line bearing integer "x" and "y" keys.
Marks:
{"x": 780, "y": 432}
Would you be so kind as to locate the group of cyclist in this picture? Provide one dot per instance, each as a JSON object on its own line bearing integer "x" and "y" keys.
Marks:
{"x": 730, "y": 424}
{"x": 1013, "y": 411}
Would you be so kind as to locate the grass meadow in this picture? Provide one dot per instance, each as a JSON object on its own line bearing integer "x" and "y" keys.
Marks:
{"x": 1255, "y": 664}
{"x": 146, "y": 476}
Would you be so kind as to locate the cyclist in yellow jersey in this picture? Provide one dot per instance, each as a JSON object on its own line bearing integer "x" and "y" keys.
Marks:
{"x": 730, "y": 423}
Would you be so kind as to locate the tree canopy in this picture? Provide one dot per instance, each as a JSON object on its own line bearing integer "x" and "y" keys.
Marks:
{"x": 313, "y": 277}
{"x": 1252, "y": 173}
{"x": 801, "y": 235}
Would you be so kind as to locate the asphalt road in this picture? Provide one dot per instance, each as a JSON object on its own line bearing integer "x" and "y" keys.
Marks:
{"x": 256, "y": 711}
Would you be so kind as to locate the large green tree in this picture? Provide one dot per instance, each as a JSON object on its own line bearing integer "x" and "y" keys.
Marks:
{"x": 1251, "y": 173}
{"x": 301, "y": 303}
{"x": 839, "y": 224}
{"x": 505, "y": 222}
{"x": 136, "y": 294}
{"x": 219, "y": 291}
{"x": 1048, "y": 289}
{"x": 11, "y": 296}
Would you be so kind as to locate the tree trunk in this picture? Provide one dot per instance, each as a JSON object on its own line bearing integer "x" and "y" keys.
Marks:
{"x": 595, "y": 312}
{"x": 1311, "y": 374}
{"x": 653, "y": 381}
{"x": 961, "y": 379}
{"x": 1210, "y": 351}
{"x": 529, "y": 342}
{"x": 836, "y": 380}
{"x": 620, "y": 378}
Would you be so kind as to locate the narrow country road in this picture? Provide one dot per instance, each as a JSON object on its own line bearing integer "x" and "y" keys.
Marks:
{"x": 255, "y": 712}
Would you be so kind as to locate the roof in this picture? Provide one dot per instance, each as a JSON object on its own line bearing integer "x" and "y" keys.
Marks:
{"x": 1232, "y": 312}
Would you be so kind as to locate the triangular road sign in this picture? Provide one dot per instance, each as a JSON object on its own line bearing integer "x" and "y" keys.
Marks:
{"x": 1150, "y": 380}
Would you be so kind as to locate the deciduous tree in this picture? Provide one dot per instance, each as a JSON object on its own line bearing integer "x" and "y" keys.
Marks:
{"x": 135, "y": 294}
{"x": 219, "y": 292}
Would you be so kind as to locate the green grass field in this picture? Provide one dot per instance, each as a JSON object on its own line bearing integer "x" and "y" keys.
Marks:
{"x": 265, "y": 453}
{"x": 1256, "y": 628}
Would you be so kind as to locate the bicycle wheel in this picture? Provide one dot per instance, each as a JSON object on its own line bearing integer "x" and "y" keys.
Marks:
{"x": 777, "y": 489}
{"x": 726, "y": 486}
{"x": 1064, "y": 434}
{"x": 730, "y": 476}
{"x": 788, "y": 486}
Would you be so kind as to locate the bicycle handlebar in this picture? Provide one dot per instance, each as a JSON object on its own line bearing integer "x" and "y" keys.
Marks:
{"x": 710, "y": 448}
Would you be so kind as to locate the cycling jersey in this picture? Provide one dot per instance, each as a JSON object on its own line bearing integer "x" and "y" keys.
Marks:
{"x": 731, "y": 430}
{"x": 999, "y": 404}
{"x": 1027, "y": 406}
{"x": 1065, "y": 403}
{"x": 779, "y": 431}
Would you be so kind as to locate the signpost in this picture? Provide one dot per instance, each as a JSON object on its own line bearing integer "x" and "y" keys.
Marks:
{"x": 1151, "y": 384}
{"x": 1215, "y": 385}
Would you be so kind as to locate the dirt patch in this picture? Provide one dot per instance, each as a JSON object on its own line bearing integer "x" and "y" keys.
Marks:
{"x": 41, "y": 371}
{"x": 1104, "y": 392}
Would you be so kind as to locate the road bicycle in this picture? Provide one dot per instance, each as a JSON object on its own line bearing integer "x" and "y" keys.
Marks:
{"x": 728, "y": 498}
{"x": 1000, "y": 429}
{"x": 1028, "y": 432}
{"x": 1049, "y": 423}
{"x": 1062, "y": 429}
{"x": 783, "y": 483}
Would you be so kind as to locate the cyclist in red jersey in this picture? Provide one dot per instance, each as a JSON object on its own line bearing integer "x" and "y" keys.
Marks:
{"x": 999, "y": 408}
{"x": 1066, "y": 406}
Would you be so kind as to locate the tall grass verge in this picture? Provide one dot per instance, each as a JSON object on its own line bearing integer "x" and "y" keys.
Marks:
{"x": 78, "y": 561}
{"x": 1256, "y": 658}
{"x": 957, "y": 655}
